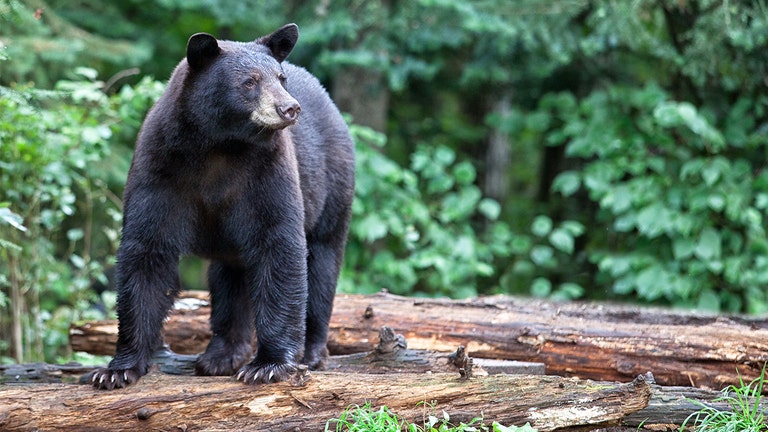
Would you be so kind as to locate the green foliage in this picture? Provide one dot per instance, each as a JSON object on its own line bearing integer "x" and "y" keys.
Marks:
{"x": 663, "y": 165}
{"x": 59, "y": 218}
{"x": 544, "y": 252}
{"x": 366, "y": 419}
{"x": 421, "y": 230}
{"x": 636, "y": 133}
{"x": 683, "y": 205}
{"x": 45, "y": 47}
{"x": 745, "y": 414}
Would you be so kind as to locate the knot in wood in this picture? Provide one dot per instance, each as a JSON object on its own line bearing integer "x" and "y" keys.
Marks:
{"x": 300, "y": 377}
{"x": 462, "y": 361}
{"x": 390, "y": 342}
{"x": 144, "y": 413}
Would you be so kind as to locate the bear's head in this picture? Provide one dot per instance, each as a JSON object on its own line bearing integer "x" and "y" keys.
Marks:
{"x": 240, "y": 87}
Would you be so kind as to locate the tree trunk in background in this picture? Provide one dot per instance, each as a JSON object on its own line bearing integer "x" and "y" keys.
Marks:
{"x": 364, "y": 94}
{"x": 17, "y": 307}
{"x": 498, "y": 155}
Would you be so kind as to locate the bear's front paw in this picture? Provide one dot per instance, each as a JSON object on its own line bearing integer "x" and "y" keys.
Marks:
{"x": 257, "y": 373}
{"x": 221, "y": 359}
{"x": 108, "y": 379}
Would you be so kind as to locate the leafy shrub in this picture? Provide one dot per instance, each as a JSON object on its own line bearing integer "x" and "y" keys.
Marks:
{"x": 681, "y": 194}
{"x": 424, "y": 230}
{"x": 60, "y": 168}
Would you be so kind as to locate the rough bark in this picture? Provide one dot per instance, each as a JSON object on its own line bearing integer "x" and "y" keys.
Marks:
{"x": 666, "y": 410}
{"x": 390, "y": 355}
{"x": 595, "y": 341}
{"x": 166, "y": 402}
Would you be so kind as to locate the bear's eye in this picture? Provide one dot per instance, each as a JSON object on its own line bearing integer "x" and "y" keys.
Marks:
{"x": 249, "y": 83}
{"x": 282, "y": 78}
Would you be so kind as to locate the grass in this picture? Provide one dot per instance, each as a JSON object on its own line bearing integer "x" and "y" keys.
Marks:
{"x": 745, "y": 414}
{"x": 367, "y": 419}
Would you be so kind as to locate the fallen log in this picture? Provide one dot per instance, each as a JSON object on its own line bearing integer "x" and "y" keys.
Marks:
{"x": 587, "y": 340}
{"x": 168, "y": 402}
{"x": 391, "y": 355}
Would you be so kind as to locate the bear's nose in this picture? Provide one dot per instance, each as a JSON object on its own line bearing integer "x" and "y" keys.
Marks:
{"x": 289, "y": 111}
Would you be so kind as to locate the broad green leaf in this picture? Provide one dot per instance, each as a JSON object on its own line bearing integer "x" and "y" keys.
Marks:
{"x": 75, "y": 234}
{"x": 568, "y": 291}
{"x": 542, "y": 225}
{"x": 464, "y": 172}
{"x": 624, "y": 285}
{"x": 653, "y": 220}
{"x": 77, "y": 261}
{"x": 372, "y": 228}
{"x": 709, "y": 301}
{"x": 541, "y": 287}
{"x": 716, "y": 202}
{"x": 567, "y": 183}
{"x": 572, "y": 227}
{"x": 711, "y": 173}
{"x": 12, "y": 219}
{"x": 489, "y": 208}
{"x": 709, "y": 245}
{"x": 542, "y": 255}
{"x": 651, "y": 282}
{"x": 683, "y": 248}
{"x": 562, "y": 240}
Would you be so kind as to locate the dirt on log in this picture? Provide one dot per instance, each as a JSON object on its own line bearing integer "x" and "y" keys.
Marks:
{"x": 176, "y": 403}
{"x": 587, "y": 340}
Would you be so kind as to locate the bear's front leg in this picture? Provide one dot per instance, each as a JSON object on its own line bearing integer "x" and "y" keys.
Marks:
{"x": 147, "y": 283}
{"x": 279, "y": 299}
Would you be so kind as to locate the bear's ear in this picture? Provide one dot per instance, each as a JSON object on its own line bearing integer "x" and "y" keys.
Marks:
{"x": 282, "y": 41}
{"x": 201, "y": 49}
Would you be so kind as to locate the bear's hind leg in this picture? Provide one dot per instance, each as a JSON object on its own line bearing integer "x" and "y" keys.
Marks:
{"x": 323, "y": 266}
{"x": 231, "y": 322}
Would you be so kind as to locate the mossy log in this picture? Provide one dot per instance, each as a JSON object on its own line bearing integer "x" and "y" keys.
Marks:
{"x": 586, "y": 340}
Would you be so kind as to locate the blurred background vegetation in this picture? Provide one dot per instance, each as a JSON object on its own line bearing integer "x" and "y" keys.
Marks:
{"x": 571, "y": 149}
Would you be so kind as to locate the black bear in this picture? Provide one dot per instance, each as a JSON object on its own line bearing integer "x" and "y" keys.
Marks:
{"x": 245, "y": 161}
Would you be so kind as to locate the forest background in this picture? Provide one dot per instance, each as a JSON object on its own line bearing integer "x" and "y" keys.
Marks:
{"x": 572, "y": 149}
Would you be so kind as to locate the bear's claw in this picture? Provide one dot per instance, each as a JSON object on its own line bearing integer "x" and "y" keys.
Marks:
{"x": 264, "y": 374}
{"x": 109, "y": 379}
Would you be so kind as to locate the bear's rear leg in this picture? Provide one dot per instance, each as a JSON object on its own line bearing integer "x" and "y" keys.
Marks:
{"x": 231, "y": 322}
{"x": 323, "y": 271}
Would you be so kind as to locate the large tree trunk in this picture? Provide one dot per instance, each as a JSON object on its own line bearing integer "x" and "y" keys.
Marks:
{"x": 364, "y": 94}
{"x": 587, "y": 340}
{"x": 166, "y": 402}
{"x": 498, "y": 156}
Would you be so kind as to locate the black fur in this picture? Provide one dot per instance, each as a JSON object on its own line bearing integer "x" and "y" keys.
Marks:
{"x": 263, "y": 190}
